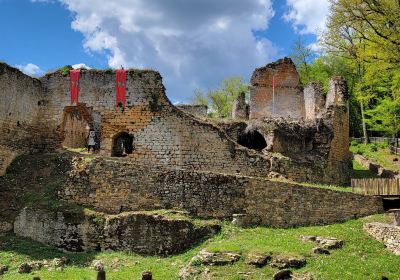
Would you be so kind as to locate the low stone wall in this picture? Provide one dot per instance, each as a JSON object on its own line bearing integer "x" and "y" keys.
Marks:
{"x": 388, "y": 234}
{"x": 112, "y": 186}
{"x": 375, "y": 168}
{"x": 143, "y": 233}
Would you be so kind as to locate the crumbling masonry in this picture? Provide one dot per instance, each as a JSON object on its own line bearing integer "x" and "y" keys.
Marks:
{"x": 176, "y": 160}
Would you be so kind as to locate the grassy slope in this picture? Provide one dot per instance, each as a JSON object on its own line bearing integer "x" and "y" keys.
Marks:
{"x": 381, "y": 156}
{"x": 362, "y": 257}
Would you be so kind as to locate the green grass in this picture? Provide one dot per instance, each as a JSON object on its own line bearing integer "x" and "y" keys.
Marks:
{"x": 378, "y": 153}
{"x": 360, "y": 171}
{"x": 362, "y": 257}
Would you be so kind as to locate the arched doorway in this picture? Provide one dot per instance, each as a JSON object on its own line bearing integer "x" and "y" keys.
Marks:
{"x": 122, "y": 145}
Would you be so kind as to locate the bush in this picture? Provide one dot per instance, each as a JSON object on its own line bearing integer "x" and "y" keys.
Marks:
{"x": 373, "y": 147}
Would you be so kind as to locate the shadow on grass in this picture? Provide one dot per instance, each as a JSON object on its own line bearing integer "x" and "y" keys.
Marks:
{"x": 359, "y": 174}
{"x": 33, "y": 250}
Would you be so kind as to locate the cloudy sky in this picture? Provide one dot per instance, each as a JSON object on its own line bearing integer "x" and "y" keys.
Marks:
{"x": 193, "y": 43}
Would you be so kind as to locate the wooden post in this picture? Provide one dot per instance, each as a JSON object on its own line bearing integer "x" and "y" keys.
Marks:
{"x": 147, "y": 275}
{"x": 101, "y": 275}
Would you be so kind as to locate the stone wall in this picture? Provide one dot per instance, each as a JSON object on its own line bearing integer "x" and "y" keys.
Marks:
{"x": 22, "y": 110}
{"x": 314, "y": 100}
{"x": 142, "y": 233}
{"x": 162, "y": 134}
{"x": 113, "y": 186}
{"x": 388, "y": 234}
{"x": 196, "y": 110}
{"x": 240, "y": 110}
{"x": 289, "y": 99}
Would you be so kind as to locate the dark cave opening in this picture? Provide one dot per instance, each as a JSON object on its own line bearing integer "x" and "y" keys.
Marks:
{"x": 253, "y": 140}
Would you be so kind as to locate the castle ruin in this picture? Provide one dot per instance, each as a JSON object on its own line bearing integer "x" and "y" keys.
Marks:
{"x": 172, "y": 159}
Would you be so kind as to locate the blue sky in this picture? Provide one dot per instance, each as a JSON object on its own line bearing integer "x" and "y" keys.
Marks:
{"x": 193, "y": 43}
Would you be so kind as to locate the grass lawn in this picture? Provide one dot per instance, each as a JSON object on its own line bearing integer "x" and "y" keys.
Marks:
{"x": 362, "y": 257}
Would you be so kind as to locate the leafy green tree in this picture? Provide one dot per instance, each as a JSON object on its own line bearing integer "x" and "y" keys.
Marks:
{"x": 301, "y": 56}
{"x": 220, "y": 101}
{"x": 385, "y": 116}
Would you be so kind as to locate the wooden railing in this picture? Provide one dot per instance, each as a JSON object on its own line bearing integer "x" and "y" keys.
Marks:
{"x": 372, "y": 186}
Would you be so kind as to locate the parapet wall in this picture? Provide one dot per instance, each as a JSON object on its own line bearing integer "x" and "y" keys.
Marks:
{"x": 114, "y": 186}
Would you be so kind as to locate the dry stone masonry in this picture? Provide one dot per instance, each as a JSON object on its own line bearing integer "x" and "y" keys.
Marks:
{"x": 143, "y": 233}
{"x": 388, "y": 234}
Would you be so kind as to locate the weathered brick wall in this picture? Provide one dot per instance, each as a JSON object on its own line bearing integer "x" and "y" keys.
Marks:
{"x": 289, "y": 99}
{"x": 112, "y": 186}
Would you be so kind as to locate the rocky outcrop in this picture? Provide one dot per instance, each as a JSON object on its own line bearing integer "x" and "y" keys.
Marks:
{"x": 140, "y": 232}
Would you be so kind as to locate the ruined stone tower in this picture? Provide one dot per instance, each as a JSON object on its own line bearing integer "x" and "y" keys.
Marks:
{"x": 286, "y": 100}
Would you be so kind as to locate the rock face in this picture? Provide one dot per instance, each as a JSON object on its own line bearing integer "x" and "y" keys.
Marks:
{"x": 147, "y": 234}
{"x": 388, "y": 234}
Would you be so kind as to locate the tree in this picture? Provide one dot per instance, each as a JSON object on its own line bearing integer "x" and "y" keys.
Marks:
{"x": 220, "y": 101}
{"x": 301, "y": 56}
{"x": 384, "y": 117}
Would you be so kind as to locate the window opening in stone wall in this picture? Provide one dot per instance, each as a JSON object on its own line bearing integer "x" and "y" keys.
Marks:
{"x": 253, "y": 140}
{"x": 122, "y": 145}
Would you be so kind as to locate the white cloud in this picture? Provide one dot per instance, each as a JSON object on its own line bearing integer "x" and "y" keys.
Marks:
{"x": 80, "y": 65}
{"x": 191, "y": 42}
{"x": 30, "y": 69}
{"x": 307, "y": 16}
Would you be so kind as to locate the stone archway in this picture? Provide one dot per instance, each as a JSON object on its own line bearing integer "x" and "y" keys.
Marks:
{"x": 77, "y": 121}
{"x": 122, "y": 145}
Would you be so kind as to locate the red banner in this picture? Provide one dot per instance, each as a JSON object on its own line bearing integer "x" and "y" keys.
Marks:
{"x": 121, "y": 87}
{"x": 74, "y": 85}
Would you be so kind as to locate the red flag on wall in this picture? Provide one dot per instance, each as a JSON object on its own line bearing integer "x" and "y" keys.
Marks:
{"x": 74, "y": 76}
{"x": 121, "y": 86}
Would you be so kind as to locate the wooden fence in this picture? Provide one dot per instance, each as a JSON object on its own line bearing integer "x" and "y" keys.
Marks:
{"x": 372, "y": 186}
{"x": 394, "y": 150}
{"x": 387, "y": 140}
